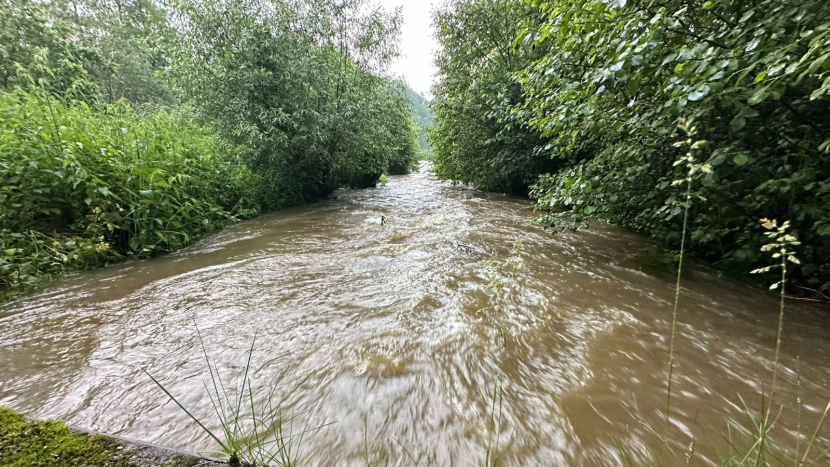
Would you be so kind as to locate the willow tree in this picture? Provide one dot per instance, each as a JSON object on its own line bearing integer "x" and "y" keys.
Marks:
{"x": 476, "y": 137}
{"x": 298, "y": 84}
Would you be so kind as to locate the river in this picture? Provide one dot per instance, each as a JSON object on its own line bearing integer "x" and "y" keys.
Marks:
{"x": 384, "y": 322}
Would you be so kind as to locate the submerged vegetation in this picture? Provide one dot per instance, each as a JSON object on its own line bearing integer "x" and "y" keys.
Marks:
{"x": 131, "y": 129}
{"x": 578, "y": 100}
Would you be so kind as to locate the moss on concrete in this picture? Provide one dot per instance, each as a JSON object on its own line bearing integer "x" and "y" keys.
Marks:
{"x": 25, "y": 443}
{"x": 28, "y": 444}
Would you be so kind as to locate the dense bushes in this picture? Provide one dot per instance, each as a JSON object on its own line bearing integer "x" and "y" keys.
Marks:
{"x": 476, "y": 136}
{"x": 605, "y": 83}
{"x": 90, "y": 49}
{"x": 754, "y": 78}
{"x": 301, "y": 92}
{"x": 80, "y": 186}
{"x": 294, "y": 90}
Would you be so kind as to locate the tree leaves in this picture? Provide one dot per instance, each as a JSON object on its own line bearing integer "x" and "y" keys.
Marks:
{"x": 479, "y": 137}
{"x": 602, "y": 85}
{"x": 309, "y": 101}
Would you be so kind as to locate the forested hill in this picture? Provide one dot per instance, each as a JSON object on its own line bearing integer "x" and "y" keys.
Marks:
{"x": 130, "y": 129}
{"x": 423, "y": 119}
{"x": 677, "y": 117}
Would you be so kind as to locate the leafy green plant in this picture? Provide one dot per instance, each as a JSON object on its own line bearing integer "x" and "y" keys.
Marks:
{"x": 82, "y": 186}
{"x": 477, "y": 137}
{"x": 614, "y": 76}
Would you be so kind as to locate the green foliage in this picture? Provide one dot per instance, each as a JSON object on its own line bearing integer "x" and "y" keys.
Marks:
{"x": 82, "y": 186}
{"x": 477, "y": 138}
{"x": 403, "y": 133}
{"x": 133, "y": 39}
{"x": 294, "y": 89}
{"x": 31, "y": 40}
{"x": 52, "y": 444}
{"x": 300, "y": 92}
{"x": 407, "y": 153}
{"x": 423, "y": 120}
{"x": 754, "y": 76}
{"x": 89, "y": 50}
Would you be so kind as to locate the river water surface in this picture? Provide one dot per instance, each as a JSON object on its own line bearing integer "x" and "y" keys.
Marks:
{"x": 384, "y": 322}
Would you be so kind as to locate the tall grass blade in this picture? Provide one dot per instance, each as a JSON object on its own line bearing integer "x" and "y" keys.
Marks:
{"x": 193, "y": 417}
{"x": 815, "y": 435}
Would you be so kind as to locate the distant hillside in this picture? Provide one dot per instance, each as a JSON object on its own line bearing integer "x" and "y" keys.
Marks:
{"x": 423, "y": 118}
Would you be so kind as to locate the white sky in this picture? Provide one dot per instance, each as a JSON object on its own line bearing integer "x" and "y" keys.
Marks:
{"x": 417, "y": 44}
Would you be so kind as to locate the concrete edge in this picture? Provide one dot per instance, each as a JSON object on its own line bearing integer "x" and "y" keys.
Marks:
{"x": 156, "y": 448}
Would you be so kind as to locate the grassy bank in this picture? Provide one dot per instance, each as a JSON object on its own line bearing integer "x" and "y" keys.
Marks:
{"x": 24, "y": 443}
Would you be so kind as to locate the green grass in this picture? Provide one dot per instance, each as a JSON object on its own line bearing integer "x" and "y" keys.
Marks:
{"x": 255, "y": 428}
{"x": 51, "y": 444}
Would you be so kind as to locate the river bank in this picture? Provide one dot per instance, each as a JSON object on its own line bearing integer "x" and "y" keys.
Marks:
{"x": 25, "y": 443}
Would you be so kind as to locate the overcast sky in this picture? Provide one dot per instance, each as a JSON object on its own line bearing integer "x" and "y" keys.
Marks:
{"x": 417, "y": 43}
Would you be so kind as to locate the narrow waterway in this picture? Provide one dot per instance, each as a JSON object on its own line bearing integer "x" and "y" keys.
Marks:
{"x": 383, "y": 321}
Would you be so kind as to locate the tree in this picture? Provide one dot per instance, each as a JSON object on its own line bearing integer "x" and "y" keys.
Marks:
{"x": 298, "y": 85}
{"x": 423, "y": 120}
{"x": 476, "y": 136}
{"x": 33, "y": 45}
{"x": 753, "y": 76}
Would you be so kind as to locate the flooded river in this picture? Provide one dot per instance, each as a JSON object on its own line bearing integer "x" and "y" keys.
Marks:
{"x": 383, "y": 321}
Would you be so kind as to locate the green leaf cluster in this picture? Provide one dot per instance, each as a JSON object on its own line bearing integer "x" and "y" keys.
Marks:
{"x": 90, "y": 50}
{"x": 81, "y": 186}
{"x": 129, "y": 129}
{"x": 752, "y": 75}
{"x": 299, "y": 85}
{"x": 603, "y": 84}
{"x": 478, "y": 137}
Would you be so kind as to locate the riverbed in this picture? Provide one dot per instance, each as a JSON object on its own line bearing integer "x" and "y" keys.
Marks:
{"x": 378, "y": 299}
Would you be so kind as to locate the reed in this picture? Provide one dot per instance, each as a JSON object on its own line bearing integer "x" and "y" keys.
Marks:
{"x": 253, "y": 427}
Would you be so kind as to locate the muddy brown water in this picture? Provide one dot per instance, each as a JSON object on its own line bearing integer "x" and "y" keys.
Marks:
{"x": 384, "y": 323}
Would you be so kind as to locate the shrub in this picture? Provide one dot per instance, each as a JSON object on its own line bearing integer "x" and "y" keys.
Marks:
{"x": 80, "y": 186}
